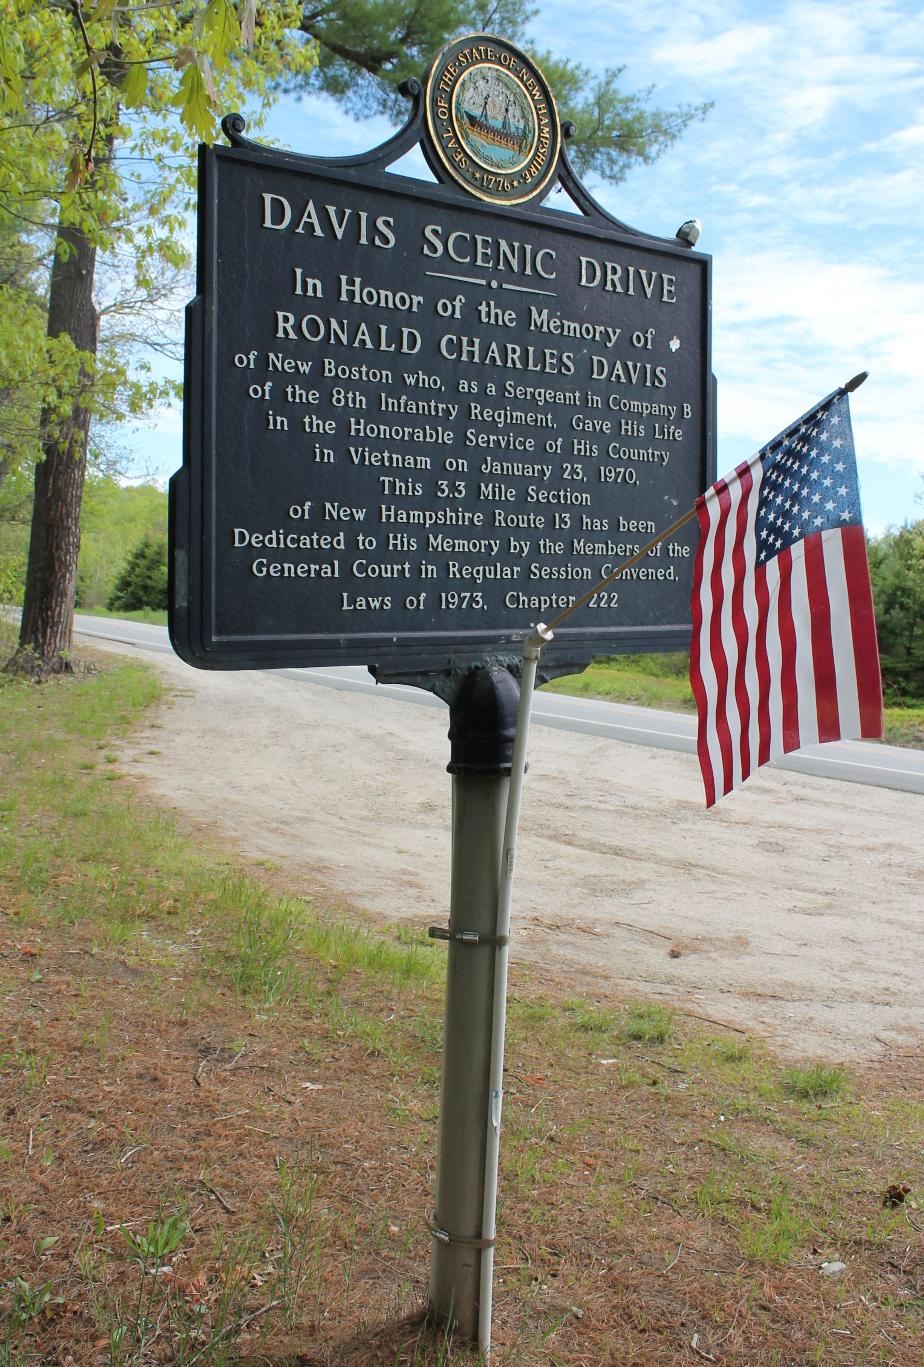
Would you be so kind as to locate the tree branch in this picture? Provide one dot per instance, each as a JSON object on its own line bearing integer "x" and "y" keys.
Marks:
{"x": 88, "y": 154}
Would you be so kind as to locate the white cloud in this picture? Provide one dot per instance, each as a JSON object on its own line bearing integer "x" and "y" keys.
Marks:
{"x": 908, "y": 139}
{"x": 728, "y": 55}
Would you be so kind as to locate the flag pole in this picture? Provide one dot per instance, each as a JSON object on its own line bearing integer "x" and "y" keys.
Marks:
{"x": 626, "y": 564}
{"x": 532, "y": 645}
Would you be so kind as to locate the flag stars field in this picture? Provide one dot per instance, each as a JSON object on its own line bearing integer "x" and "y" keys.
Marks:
{"x": 806, "y": 472}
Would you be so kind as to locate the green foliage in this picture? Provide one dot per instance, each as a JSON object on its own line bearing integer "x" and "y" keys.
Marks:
{"x": 96, "y": 174}
{"x": 152, "y": 1246}
{"x": 29, "y": 1302}
{"x": 143, "y": 580}
{"x": 24, "y": 365}
{"x": 615, "y": 130}
{"x": 115, "y": 519}
{"x": 12, "y": 575}
{"x": 92, "y": 152}
{"x": 897, "y": 572}
{"x": 15, "y": 500}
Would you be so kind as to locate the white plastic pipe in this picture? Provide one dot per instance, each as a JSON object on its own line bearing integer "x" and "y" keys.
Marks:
{"x": 532, "y": 646}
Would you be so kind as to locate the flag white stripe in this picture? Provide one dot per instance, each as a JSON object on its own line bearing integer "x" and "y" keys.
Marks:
{"x": 775, "y": 658}
{"x": 727, "y": 632}
{"x": 749, "y": 603}
{"x": 710, "y": 683}
{"x": 805, "y": 657}
{"x": 848, "y": 698}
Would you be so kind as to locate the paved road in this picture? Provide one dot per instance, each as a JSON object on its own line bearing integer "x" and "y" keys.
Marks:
{"x": 884, "y": 766}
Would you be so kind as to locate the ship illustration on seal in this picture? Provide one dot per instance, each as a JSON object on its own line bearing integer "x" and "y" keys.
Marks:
{"x": 494, "y": 118}
{"x": 505, "y": 135}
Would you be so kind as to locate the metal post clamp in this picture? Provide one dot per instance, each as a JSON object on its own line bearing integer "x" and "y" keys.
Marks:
{"x": 467, "y": 937}
{"x": 443, "y": 1236}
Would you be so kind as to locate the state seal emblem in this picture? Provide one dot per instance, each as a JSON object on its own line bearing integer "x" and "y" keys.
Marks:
{"x": 492, "y": 120}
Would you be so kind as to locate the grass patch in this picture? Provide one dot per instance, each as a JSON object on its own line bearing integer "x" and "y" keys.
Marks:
{"x": 641, "y": 680}
{"x": 776, "y": 1234}
{"x": 732, "y": 1050}
{"x": 661, "y": 681}
{"x": 648, "y": 1023}
{"x": 219, "y": 1124}
{"x": 816, "y": 1082}
{"x": 904, "y": 724}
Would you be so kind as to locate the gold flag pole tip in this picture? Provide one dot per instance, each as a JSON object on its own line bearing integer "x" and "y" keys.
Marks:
{"x": 855, "y": 383}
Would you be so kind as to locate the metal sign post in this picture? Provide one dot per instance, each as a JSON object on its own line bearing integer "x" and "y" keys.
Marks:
{"x": 481, "y": 732}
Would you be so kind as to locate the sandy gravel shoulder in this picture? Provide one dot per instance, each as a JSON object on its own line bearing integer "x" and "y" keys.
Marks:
{"x": 793, "y": 910}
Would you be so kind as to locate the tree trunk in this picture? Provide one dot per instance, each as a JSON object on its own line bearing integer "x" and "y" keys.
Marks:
{"x": 51, "y": 576}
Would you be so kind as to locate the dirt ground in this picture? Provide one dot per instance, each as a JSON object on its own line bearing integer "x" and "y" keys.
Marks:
{"x": 793, "y": 910}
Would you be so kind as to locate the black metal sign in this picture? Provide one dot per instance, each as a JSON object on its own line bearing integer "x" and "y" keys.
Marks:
{"x": 416, "y": 421}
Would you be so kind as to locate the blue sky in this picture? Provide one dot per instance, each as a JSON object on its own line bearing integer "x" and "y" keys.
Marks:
{"x": 808, "y": 176}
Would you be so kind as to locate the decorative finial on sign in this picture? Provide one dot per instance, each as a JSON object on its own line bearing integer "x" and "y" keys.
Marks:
{"x": 233, "y": 125}
{"x": 855, "y": 383}
{"x": 689, "y": 232}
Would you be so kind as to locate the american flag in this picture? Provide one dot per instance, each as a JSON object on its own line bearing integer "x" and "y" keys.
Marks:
{"x": 784, "y": 649}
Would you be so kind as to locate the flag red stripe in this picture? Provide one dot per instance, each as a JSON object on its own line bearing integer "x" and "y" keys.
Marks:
{"x": 762, "y": 664}
{"x": 739, "y": 621}
{"x": 788, "y": 688}
{"x": 863, "y": 626}
{"x": 826, "y": 709}
{"x": 716, "y": 646}
{"x": 696, "y": 677}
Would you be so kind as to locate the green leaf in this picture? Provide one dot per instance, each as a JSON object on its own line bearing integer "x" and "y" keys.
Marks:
{"x": 218, "y": 30}
{"x": 11, "y": 56}
{"x": 78, "y": 168}
{"x": 196, "y": 112}
{"x": 135, "y": 85}
{"x": 206, "y": 70}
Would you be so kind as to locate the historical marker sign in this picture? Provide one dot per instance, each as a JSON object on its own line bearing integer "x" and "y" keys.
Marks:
{"x": 421, "y": 417}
